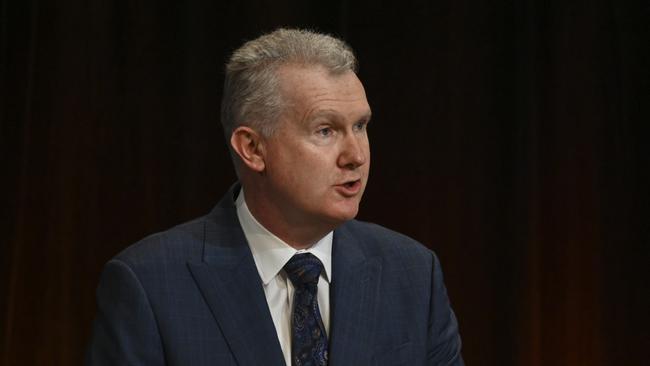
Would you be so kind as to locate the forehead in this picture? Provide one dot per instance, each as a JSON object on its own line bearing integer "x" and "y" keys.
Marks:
{"x": 313, "y": 88}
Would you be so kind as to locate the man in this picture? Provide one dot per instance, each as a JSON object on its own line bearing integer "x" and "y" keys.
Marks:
{"x": 279, "y": 272}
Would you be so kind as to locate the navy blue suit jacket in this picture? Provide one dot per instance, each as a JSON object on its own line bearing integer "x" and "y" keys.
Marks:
{"x": 192, "y": 296}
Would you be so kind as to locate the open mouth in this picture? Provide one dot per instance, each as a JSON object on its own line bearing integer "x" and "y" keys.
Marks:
{"x": 351, "y": 184}
{"x": 350, "y": 188}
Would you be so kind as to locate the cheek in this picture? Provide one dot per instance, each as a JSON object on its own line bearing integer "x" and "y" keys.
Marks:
{"x": 367, "y": 148}
{"x": 296, "y": 172}
{"x": 367, "y": 154}
{"x": 302, "y": 168}
{"x": 313, "y": 172}
{"x": 313, "y": 177}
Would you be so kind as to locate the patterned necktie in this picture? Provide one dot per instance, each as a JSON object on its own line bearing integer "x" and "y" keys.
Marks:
{"x": 309, "y": 340}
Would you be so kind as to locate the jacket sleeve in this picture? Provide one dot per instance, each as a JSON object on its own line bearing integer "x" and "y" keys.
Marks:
{"x": 125, "y": 330}
{"x": 444, "y": 342}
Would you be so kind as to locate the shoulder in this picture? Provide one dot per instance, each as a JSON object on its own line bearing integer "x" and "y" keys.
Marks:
{"x": 178, "y": 244}
{"x": 375, "y": 240}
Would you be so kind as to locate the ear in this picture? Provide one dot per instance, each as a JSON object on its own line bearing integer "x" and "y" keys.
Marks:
{"x": 249, "y": 146}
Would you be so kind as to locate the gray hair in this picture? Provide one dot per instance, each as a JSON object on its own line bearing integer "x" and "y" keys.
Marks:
{"x": 251, "y": 94}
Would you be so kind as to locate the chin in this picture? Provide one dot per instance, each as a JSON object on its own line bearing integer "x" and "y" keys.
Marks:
{"x": 342, "y": 216}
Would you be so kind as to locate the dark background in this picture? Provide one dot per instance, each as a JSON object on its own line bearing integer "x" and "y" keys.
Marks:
{"x": 508, "y": 136}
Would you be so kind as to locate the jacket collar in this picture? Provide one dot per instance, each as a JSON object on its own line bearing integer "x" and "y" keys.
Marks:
{"x": 229, "y": 281}
{"x": 233, "y": 290}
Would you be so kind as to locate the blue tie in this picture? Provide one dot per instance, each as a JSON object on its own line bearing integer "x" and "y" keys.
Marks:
{"x": 309, "y": 340}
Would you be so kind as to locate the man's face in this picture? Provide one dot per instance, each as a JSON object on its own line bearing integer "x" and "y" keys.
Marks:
{"x": 317, "y": 160}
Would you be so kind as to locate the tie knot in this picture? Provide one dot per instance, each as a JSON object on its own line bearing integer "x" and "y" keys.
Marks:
{"x": 303, "y": 269}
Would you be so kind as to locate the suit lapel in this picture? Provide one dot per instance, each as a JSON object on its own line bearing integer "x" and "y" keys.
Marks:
{"x": 230, "y": 283}
{"x": 354, "y": 288}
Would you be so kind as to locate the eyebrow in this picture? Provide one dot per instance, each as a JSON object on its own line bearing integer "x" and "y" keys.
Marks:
{"x": 333, "y": 114}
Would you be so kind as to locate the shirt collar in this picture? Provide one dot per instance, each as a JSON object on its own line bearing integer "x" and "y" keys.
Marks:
{"x": 272, "y": 253}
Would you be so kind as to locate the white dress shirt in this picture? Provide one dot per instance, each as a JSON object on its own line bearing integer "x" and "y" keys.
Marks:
{"x": 271, "y": 254}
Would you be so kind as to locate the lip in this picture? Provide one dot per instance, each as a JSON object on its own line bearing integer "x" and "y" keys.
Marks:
{"x": 349, "y": 188}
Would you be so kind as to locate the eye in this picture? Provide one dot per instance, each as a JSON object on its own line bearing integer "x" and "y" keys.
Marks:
{"x": 325, "y": 132}
{"x": 360, "y": 126}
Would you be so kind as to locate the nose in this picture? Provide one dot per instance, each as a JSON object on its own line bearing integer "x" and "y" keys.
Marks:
{"x": 354, "y": 152}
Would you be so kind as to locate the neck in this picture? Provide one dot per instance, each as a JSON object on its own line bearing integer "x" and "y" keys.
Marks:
{"x": 298, "y": 233}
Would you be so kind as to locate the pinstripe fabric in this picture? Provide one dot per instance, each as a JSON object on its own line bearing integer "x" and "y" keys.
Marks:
{"x": 192, "y": 296}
